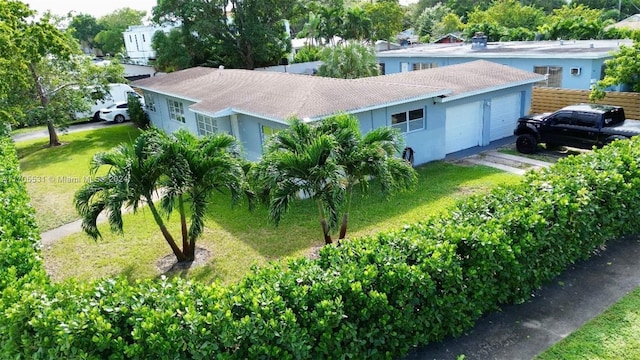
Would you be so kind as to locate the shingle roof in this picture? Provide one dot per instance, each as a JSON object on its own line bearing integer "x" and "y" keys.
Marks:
{"x": 278, "y": 96}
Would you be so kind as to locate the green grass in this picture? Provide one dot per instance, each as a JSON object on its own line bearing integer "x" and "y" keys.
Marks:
{"x": 53, "y": 175}
{"x": 30, "y": 129}
{"x": 614, "y": 334}
{"x": 238, "y": 239}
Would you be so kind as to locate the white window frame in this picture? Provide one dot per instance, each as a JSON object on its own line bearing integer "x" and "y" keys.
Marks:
{"x": 149, "y": 102}
{"x": 176, "y": 111}
{"x": 553, "y": 74}
{"x": 409, "y": 121}
{"x": 206, "y": 125}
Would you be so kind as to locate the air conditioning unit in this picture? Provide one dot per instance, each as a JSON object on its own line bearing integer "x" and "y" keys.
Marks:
{"x": 575, "y": 71}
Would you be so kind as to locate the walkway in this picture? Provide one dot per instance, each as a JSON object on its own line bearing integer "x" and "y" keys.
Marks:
{"x": 555, "y": 311}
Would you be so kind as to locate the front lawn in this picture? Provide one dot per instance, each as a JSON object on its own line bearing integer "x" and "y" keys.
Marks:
{"x": 53, "y": 175}
{"x": 237, "y": 238}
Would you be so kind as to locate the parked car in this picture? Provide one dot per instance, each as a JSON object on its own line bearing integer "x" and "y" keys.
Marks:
{"x": 118, "y": 112}
{"x": 582, "y": 126}
{"x": 117, "y": 93}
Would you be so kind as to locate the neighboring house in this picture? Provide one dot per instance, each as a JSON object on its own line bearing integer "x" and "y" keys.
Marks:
{"x": 568, "y": 64}
{"x": 449, "y": 39}
{"x": 439, "y": 111}
{"x": 306, "y": 68}
{"x": 137, "y": 41}
{"x": 631, "y": 23}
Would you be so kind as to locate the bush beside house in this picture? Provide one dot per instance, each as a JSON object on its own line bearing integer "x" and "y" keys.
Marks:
{"x": 374, "y": 297}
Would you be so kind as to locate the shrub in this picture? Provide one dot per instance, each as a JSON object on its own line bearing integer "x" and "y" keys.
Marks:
{"x": 374, "y": 297}
{"x": 136, "y": 112}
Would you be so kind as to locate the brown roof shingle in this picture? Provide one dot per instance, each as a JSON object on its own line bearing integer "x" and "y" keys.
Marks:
{"x": 280, "y": 95}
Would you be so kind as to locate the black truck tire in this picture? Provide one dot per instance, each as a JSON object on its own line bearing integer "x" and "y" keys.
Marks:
{"x": 526, "y": 144}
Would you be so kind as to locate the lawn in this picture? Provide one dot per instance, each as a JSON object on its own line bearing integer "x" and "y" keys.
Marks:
{"x": 614, "y": 334}
{"x": 53, "y": 175}
{"x": 238, "y": 239}
{"x": 235, "y": 237}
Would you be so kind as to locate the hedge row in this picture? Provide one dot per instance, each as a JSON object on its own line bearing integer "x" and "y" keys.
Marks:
{"x": 374, "y": 297}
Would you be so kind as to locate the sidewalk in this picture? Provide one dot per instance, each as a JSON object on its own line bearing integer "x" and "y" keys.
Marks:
{"x": 555, "y": 311}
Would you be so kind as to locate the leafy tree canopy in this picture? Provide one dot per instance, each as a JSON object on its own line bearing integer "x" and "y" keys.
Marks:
{"x": 84, "y": 27}
{"x": 509, "y": 14}
{"x": 171, "y": 52}
{"x": 386, "y": 19}
{"x": 623, "y": 68}
{"x": 46, "y": 79}
{"x": 110, "y": 39}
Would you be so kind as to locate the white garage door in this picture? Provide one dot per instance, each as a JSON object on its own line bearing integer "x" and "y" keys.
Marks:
{"x": 463, "y": 127}
{"x": 505, "y": 111}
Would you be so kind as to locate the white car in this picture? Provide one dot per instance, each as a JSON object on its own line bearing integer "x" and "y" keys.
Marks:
{"x": 117, "y": 112}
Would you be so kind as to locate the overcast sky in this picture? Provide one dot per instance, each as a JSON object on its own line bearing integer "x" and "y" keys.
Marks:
{"x": 97, "y": 8}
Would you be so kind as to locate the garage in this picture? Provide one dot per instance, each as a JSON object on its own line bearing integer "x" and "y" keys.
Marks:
{"x": 463, "y": 127}
{"x": 505, "y": 111}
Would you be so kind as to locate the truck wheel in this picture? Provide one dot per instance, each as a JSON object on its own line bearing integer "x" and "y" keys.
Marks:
{"x": 526, "y": 144}
{"x": 119, "y": 119}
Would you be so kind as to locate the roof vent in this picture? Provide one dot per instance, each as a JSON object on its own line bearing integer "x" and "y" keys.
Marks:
{"x": 479, "y": 41}
{"x": 220, "y": 68}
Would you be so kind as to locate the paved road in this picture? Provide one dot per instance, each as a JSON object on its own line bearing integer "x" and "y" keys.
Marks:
{"x": 73, "y": 128}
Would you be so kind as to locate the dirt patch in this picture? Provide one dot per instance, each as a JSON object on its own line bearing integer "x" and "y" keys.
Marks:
{"x": 169, "y": 263}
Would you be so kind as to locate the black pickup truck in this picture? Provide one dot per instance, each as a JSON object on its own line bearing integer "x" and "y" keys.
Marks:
{"x": 582, "y": 126}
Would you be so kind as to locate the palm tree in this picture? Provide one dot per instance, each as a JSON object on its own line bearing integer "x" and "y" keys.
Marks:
{"x": 188, "y": 170}
{"x": 366, "y": 158}
{"x": 356, "y": 24}
{"x": 196, "y": 168}
{"x": 132, "y": 178}
{"x": 349, "y": 61}
{"x": 298, "y": 161}
{"x": 326, "y": 161}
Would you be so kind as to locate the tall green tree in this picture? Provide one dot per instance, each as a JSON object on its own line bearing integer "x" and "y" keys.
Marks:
{"x": 171, "y": 52}
{"x": 185, "y": 169}
{"x": 429, "y": 17}
{"x": 110, "y": 39}
{"x": 234, "y": 33}
{"x": 386, "y": 20}
{"x": 84, "y": 27}
{"x": 47, "y": 79}
{"x": 348, "y": 61}
{"x": 357, "y": 24}
{"x": 509, "y": 14}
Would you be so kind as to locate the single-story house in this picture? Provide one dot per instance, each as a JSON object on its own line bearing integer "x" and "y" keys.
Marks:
{"x": 439, "y": 111}
{"x": 567, "y": 64}
{"x": 630, "y": 23}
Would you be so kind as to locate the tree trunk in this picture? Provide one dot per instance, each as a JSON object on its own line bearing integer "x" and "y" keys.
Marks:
{"x": 325, "y": 231}
{"x": 53, "y": 135}
{"x": 44, "y": 102}
{"x": 343, "y": 227}
{"x": 167, "y": 236}
{"x": 183, "y": 226}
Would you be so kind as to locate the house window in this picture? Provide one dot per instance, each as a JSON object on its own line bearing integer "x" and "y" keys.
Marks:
{"x": 422, "y": 66}
{"x": 149, "y": 103}
{"x": 176, "y": 110}
{"x": 407, "y": 121}
{"x": 266, "y": 132}
{"x": 206, "y": 125}
{"x": 381, "y": 69}
{"x": 143, "y": 38}
{"x": 553, "y": 73}
{"x": 404, "y": 66}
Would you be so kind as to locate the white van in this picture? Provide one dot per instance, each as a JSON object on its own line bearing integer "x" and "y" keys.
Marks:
{"x": 117, "y": 93}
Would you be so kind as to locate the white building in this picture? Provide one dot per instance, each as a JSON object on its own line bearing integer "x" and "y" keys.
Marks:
{"x": 137, "y": 41}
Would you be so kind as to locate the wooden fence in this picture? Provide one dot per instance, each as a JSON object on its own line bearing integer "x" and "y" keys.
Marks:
{"x": 552, "y": 99}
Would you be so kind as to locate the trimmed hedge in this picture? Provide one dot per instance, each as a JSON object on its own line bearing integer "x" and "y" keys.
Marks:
{"x": 374, "y": 297}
